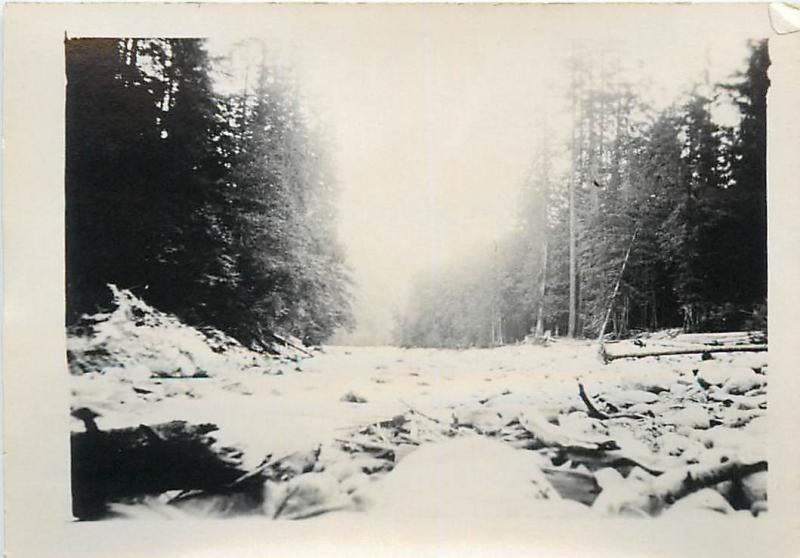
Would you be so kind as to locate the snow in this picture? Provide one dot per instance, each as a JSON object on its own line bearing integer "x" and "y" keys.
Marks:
{"x": 706, "y": 499}
{"x": 265, "y": 414}
{"x": 451, "y": 422}
{"x": 691, "y": 416}
{"x": 465, "y": 479}
{"x": 628, "y": 397}
{"x": 741, "y": 380}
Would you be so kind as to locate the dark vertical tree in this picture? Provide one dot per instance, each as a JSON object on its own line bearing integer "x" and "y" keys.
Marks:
{"x": 749, "y": 175}
{"x": 112, "y": 170}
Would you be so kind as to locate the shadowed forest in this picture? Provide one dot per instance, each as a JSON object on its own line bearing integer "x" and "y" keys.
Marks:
{"x": 218, "y": 208}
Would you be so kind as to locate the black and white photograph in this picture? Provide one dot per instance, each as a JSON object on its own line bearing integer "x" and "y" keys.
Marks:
{"x": 441, "y": 264}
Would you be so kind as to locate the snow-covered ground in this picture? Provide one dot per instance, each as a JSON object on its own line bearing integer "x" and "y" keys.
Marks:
{"x": 269, "y": 414}
{"x": 385, "y": 433}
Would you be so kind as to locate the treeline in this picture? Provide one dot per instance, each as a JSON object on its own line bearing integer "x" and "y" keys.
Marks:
{"x": 674, "y": 197}
{"x": 215, "y": 206}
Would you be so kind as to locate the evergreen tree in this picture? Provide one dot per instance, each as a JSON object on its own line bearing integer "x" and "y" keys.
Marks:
{"x": 749, "y": 177}
{"x": 675, "y": 200}
{"x": 216, "y": 208}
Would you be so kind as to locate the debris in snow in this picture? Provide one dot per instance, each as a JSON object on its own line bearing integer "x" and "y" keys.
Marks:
{"x": 139, "y": 342}
{"x": 304, "y": 496}
{"x": 351, "y": 397}
{"x": 124, "y": 463}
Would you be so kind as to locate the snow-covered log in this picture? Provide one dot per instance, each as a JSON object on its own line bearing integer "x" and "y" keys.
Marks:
{"x": 671, "y": 351}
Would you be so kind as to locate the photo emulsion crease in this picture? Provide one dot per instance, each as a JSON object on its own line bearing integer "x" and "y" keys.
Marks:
{"x": 445, "y": 266}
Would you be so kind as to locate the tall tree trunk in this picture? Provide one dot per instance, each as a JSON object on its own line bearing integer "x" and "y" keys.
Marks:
{"x": 542, "y": 292}
{"x": 496, "y": 317}
{"x": 616, "y": 287}
{"x": 578, "y": 135}
{"x": 573, "y": 283}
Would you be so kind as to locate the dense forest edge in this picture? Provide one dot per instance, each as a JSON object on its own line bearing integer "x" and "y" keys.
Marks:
{"x": 217, "y": 207}
{"x": 669, "y": 222}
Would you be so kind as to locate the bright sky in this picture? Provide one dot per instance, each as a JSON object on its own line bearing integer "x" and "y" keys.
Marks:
{"x": 434, "y": 112}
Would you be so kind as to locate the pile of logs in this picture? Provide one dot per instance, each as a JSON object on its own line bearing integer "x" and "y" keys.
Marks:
{"x": 684, "y": 344}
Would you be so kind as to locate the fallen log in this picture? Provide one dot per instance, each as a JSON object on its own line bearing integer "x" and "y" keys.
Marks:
{"x": 616, "y": 459}
{"x": 674, "y": 487}
{"x": 367, "y": 445}
{"x": 288, "y": 343}
{"x": 724, "y": 338}
{"x": 548, "y": 435}
{"x": 595, "y": 453}
{"x": 668, "y": 489}
{"x": 129, "y": 463}
{"x": 609, "y": 357}
{"x": 650, "y": 497}
{"x": 594, "y": 413}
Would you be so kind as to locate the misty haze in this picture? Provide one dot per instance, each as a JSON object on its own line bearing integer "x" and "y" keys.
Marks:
{"x": 447, "y": 263}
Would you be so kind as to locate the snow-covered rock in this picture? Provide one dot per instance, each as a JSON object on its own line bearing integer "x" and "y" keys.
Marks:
{"x": 139, "y": 341}
{"x": 741, "y": 380}
{"x": 510, "y": 406}
{"x": 679, "y": 389}
{"x": 754, "y": 487}
{"x": 466, "y": 478}
{"x": 705, "y": 499}
{"x": 733, "y": 443}
{"x": 484, "y": 420}
{"x": 751, "y": 360}
{"x": 673, "y": 444}
{"x": 660, "y": 377}
{"x": 619, "y": 495}
{"x": 579, "y": 425}
{"x": 345, "y": 467}
{"x": 691, "y": 416}
{"x": 305, "y": 496}
{"x": 627, "y": 397}
{"x": 712, "y": 373}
